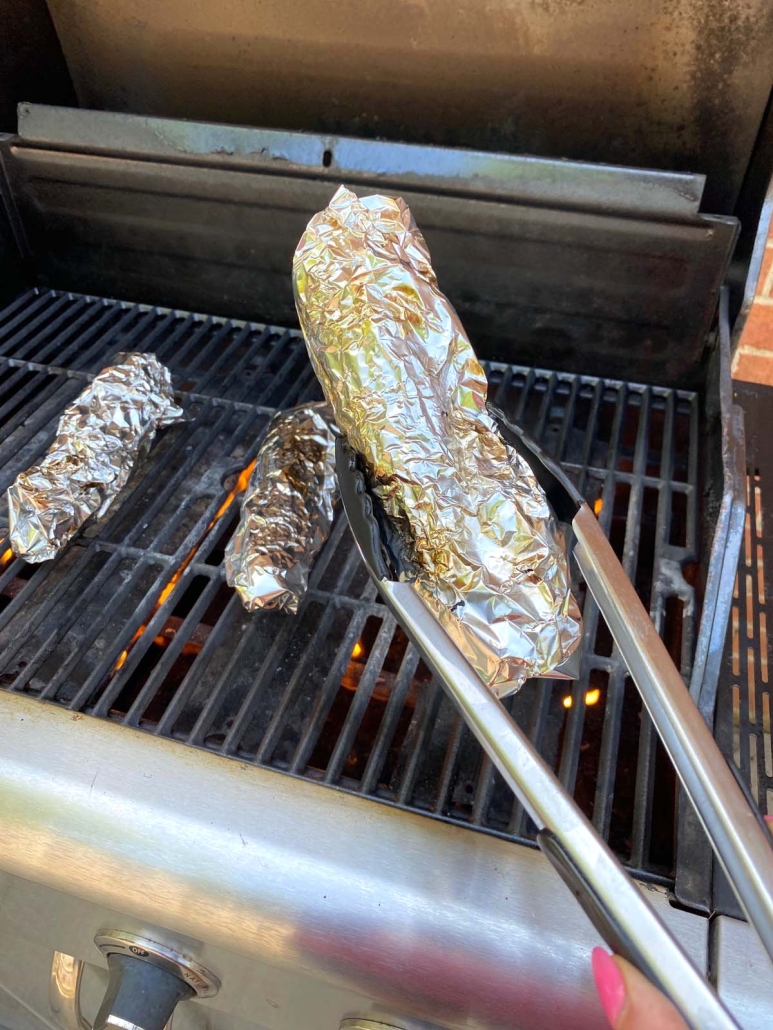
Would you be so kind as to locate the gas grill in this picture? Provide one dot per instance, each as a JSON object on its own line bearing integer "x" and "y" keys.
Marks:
{"x": 134, "y": 622}
{"x": 302, "y": 812}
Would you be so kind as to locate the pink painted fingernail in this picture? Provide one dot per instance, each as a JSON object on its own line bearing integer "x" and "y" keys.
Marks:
{"x": 769, "y": 819}
{"x": 609, "y": 984}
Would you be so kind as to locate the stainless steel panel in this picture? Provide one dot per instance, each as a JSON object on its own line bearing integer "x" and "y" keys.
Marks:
{"x": 651, "y": 83}
{"x": 743, "y": 974}
{"x": 580, "y": 290}
{"x": 419, "y": 919}
{"x": 38, "y": 920}
{"x": 339, "y": 158}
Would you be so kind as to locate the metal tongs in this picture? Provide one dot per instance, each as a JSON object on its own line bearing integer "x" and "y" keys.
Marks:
{"x": 615, "y": 905}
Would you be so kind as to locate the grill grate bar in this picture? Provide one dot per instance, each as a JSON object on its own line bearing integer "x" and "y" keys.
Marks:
{"x": 168, "y": 347}
{"x": 570, "y": 756}
{"x": 448, "y": 768}
{"x": 360, "y": 701}
{"x": 18, "y": 391}
{"x": 44, "y": 307}
{"x": 610, "y": 734}
{"x": 150, "y": 616}
{"x": 225, "y": 358}
{"x": 104, "y": 340}
{"x": 22, "y": 303}
{"x": 174, "y": 711}
{"x": 38, "y": 421}
{"x": 181, "y": 353}
{"x": 589, "y": 436}
{"x": 65, "y": 322}
{"x": 388, "y": 726}
{"x": 267, "y": 670}
{"x": 219, "y": 689}
{"x": 57, "y": 634}
{"x": 280, "y": 716}
{"x": 518, "y": 825}
{"x": 418, "y": 731}
{"x": 610, "y": 739}
{"x": 19, "y": 638}
{"x": 483, "y": 790}
{"x": 173, "y": 651}
{"x": 279, "y": 377}
{"x": 236, "y": 374}
{"x": 328, "y": 693}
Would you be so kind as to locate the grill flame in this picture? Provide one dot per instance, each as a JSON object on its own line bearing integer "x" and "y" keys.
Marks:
{"x": 238, "y": 488}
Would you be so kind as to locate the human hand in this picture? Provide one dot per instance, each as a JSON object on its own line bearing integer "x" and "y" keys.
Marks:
{"x": 629, "y": 999}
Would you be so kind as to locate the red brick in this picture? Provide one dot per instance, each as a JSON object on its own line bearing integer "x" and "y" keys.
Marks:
{"x": 765, "y": 281}
{"x": 758, "y": 331}
{"x": 754, "y": 368}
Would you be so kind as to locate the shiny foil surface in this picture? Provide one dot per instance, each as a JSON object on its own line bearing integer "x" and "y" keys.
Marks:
{"x": 407, "y": 390}
{"x": 287, "y": 511}
{"x": 99, "y": 438}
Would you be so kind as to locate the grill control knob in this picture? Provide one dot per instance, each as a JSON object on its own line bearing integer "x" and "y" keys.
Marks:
{"x": 147, "y": 980}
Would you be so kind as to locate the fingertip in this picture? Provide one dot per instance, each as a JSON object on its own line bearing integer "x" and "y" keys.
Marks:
{"x": 609, "y": 984}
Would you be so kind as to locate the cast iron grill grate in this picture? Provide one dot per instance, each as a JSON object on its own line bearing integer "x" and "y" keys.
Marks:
{"x": 743, "y": 713}
{"x": 134, "y": 623}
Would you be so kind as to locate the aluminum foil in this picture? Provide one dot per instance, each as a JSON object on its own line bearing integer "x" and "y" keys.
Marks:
{"x": 287, "y": 510}
{"x": 408, "y": 392}
{"x": 99, "y": 438}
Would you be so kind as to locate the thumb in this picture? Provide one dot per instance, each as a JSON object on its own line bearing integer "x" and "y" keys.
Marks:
{"x": 629, "y": 999}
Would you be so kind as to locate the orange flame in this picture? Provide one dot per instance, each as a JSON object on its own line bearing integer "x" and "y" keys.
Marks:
{"x": 598, "y": 504}
{"x": 239, "y": 487}
{"x": 592, "y": 697}
{"x": 5, "y": 558}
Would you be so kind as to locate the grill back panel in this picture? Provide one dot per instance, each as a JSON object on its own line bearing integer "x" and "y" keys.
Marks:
{"x": 612, "y": 271}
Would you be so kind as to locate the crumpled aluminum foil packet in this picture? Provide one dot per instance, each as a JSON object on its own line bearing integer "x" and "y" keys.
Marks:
{"x": 409, "y": 394}
{"x": 99, "y": 439}
{"x": 287, "y": 511}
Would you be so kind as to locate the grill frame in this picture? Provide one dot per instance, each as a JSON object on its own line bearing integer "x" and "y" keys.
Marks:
{"x": 743, "y": 709}
{"x": 190, "y": 344}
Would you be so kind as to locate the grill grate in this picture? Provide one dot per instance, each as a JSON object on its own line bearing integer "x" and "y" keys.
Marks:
{"x": 744, "y": 691}
{"x": 134, "y": 622}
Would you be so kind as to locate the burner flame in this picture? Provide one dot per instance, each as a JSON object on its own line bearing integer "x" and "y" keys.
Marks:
{"x": 238, "y": 488}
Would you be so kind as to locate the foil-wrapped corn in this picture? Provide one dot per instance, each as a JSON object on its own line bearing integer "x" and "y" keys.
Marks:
{"x": 408, "y": 392}
{"x": 287, "y": 510}
{"x": 99, "y": 438}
